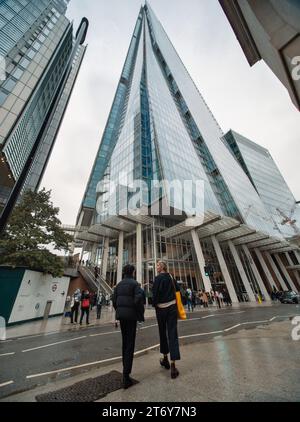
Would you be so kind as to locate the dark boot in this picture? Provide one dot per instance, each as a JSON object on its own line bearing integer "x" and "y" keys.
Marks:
{"x": 127, "y": 382}
{"x": 165, "y": 362}
{"x": 174, "y": 371}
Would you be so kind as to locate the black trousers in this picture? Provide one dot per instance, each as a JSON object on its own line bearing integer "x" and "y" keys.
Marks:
{"x": 85, "y": 311}
{"x": 74, "y": 310}
{"x": 167, "y": 325}
{"x": 99, "y": 307}
{"x": 128, "y": 330}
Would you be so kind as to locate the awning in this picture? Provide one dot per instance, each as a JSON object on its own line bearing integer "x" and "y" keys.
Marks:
{"x": 223, "y": 225}
{"x": 100, "y": 231}
{"x": 255, "y": 237}
{"x": 188, "y": 225}
{"x": 261, "y": 243}
{"x": 239, "y": 233}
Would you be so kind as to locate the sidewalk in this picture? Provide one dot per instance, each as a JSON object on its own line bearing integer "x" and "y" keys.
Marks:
{"x": 61, "y": 324}
{"x": 260, "y": 364}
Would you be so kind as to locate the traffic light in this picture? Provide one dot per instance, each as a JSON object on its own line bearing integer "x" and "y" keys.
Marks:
{"x": 208, "y": 270}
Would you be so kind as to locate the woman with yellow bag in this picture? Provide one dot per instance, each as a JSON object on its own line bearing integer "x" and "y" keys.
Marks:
{"x": 167, "y": 302}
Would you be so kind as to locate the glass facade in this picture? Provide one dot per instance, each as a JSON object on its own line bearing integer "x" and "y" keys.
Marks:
{"x": 160, "y": 128}
{"x": 36, "y": 41}
{"x": 265, "y": 176}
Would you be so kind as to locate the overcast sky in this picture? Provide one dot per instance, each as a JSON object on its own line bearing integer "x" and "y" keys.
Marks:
{"x": 251, "y": 101}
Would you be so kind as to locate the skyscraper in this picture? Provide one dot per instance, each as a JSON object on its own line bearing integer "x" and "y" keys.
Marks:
{"x": 42, "y": 59}
{"x": 268, "y": 181}
{"x": 161, "y": 129}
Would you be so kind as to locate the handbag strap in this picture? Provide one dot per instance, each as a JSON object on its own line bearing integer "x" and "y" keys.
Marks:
{"x": 173, "y": 282}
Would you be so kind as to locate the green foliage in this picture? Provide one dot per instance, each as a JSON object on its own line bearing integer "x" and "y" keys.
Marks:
{"x": 33, "y": 225}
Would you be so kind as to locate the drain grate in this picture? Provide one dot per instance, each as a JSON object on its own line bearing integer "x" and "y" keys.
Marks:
{"x": 88, "y": 390}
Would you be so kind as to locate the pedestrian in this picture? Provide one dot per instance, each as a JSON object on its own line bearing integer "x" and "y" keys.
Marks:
{"x": 221, "y": 297}
{"x": 67, "y": 311}
{"x": 99, "y": 305}
{"x": 193, "y": 300}
{"x": 128, "y": 301}
{"x": 188, "y": 294}
{"x": 204, "y": 299}
{"x": 75, "y": 301}
{"x": 92, "y": 301}
{"x": 164, "y": 301}
{"x": 217, "y": 299}
{"x": 199, "y": 294}
{"x": 96, "y": 272}
{"x": 85, "y": 306}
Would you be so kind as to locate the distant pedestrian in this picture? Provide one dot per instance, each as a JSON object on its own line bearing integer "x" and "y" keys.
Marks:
{"x": 164, "y": 301}
{"x": 218, "y": 299}
{"x": 96, "y": 272}
{"x": 85, "y": 306}
{"x": 204, "y": 299}
{"x": 188, "y": 293}
{"x": 75, "y": 302}
{"x": 128, "y": 302}
{"x": 227, "y": 298}
{"x": 193, "y": 300}
{"x": 99, "y": 305}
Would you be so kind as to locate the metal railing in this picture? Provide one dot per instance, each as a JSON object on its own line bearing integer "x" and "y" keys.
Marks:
{"x": 89, "y": 276}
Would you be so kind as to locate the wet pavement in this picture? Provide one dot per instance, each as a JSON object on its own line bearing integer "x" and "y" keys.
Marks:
{"x": 42, "y": 360}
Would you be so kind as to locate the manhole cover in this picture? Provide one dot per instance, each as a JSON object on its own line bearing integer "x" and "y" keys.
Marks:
{"x": 86, "y": 391}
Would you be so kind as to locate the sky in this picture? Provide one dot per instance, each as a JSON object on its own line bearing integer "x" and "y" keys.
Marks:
{"x": 251, "y": 101}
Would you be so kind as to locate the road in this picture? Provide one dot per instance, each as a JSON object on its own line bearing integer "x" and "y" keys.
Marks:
{"x": 32, "y": 361}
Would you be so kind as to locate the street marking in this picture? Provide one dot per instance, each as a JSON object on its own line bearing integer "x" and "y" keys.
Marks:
{"x": 75, "y": 328}
{"x": 52, "y": 344}
{"x": 256, "y": 322}
{"x": 207, "y": 316}
{"x": 89, "y": 364}
{"x": 104, "y": 334}
{"x": 8, "y": 354}
{"x": 73, "y": 367}
{"x": 201, "y": 334}
{"x": 231, "y": 328}
{"x": 39, "y": 335}
{"x": 146, "y": 350}
{"x": 148, "y": 326}
{"x": 139, "y": 351}
{"x": 6, "y": 383}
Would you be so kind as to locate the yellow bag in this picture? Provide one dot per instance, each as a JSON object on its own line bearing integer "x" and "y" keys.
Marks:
{"x": 180, "y": 308}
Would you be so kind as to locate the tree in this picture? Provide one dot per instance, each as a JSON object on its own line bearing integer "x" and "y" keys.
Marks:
{"x": 32, "y": 226}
